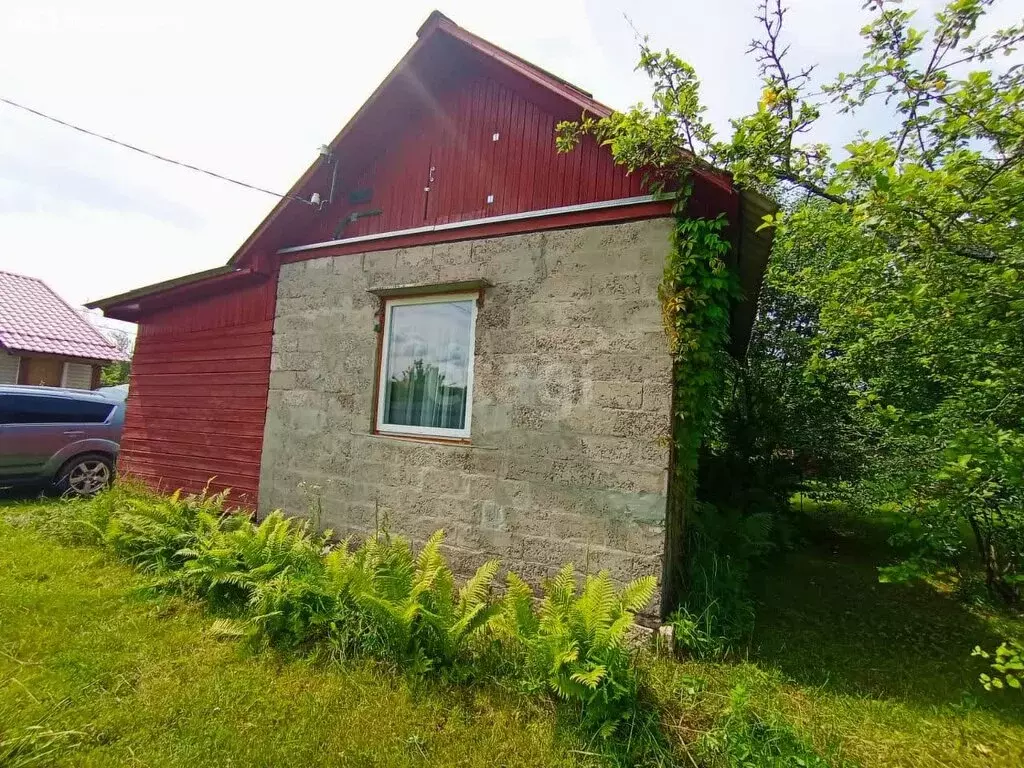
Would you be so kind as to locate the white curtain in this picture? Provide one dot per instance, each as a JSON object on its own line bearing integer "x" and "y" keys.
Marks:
{"x": 428, "y": 364}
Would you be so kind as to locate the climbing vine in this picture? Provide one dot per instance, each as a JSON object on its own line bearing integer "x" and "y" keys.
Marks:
{"x": 696, "y": 293}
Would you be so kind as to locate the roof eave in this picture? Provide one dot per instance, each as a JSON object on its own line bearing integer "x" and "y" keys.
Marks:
{"x": 754, "y": 247}
{"x": 116, "y": 356}
{"x": 166, "y": 285}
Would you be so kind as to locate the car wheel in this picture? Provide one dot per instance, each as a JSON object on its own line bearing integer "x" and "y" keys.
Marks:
{"x": 85, "y": 475}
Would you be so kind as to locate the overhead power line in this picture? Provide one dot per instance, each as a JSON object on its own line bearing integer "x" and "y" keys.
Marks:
{"x": 112, "y": 140}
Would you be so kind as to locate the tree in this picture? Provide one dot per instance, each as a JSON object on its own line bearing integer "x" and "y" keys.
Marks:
{"x": 904, "y": 252}
{"x": 119, "y": 371}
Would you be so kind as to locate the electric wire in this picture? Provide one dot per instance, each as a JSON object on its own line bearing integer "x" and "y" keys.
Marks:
{"x": 132, "y": 147}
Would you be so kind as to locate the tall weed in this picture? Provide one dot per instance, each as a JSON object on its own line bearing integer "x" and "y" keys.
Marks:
{"x": 717, "y": 612}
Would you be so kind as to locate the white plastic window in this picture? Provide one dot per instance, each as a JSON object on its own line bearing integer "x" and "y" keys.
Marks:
{"x": 426, "y": 373}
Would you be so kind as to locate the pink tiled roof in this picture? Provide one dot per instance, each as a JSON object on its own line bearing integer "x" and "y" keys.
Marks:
{"x": 35, "y": 319}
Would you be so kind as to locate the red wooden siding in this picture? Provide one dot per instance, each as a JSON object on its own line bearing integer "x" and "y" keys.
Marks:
{"x": 198, "y": 395}
{"x": 450, "y": 137}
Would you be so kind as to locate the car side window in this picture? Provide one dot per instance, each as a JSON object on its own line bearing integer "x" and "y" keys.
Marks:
{"x": 41, "y": 409}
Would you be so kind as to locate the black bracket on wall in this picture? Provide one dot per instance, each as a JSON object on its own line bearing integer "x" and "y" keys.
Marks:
{"x": 352, "y": 218}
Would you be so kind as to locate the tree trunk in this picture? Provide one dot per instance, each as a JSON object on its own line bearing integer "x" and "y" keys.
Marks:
{"x": 995, "y": 576}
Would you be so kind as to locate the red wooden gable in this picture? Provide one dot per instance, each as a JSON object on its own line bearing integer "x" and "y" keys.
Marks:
{"x": 422, "y": 150}
{"x": 422, "y": 153}
{"x": 478, "y": 148}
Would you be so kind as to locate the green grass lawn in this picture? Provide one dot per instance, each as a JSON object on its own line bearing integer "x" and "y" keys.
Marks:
{"x": 93, "y": 673}
{"x": 877, "y": 673}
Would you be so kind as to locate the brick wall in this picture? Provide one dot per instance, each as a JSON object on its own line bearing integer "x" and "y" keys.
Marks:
{"x": 571, "y": 402}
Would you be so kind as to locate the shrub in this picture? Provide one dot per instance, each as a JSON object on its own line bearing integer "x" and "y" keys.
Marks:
{"x": 1008, "y": 666}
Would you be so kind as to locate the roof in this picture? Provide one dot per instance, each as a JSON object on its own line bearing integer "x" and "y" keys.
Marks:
{"x": 165, "y": 285}
{"x": 753, "y": 246}
{"x": 35, "y": 319}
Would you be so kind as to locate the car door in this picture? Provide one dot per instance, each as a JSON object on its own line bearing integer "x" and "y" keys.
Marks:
{"x": 35, "y": 426}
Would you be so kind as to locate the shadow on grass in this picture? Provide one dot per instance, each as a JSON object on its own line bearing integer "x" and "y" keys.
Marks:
{"x": 27, "y": 493}
{"x": 824, "y": 620}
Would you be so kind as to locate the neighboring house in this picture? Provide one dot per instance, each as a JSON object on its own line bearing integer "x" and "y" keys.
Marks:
{"x": 44, "y": 341}
{"x": 465, "y": 334}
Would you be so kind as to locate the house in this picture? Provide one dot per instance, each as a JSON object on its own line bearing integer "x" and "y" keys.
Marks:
{"x": 462, "y": 331}
{"x": 45, "y": 341}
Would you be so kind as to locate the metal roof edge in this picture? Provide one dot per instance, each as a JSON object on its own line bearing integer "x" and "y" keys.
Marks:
{"x": 754, "y": 247}
{"x": 165, "y": 285}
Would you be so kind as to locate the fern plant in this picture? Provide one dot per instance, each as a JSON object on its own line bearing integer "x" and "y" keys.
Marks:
{"x": 412, "y": 611}
{"x": 283, "y": 582}
{"x": 578, "y": 642}
{"x": 255, "y": 564}
{"x": 145, "y": 529}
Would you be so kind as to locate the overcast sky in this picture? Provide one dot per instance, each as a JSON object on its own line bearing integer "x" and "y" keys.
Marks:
{"x": 251, "y": 94}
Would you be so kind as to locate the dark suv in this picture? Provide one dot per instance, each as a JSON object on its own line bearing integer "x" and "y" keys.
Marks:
{"x": 66, "y": 437}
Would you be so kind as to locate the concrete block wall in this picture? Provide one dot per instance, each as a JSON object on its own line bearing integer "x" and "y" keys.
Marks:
{"x": 571, "y": 402}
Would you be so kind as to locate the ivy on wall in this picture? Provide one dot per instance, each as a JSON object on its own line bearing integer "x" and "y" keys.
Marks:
{"x": 696, "y": 293}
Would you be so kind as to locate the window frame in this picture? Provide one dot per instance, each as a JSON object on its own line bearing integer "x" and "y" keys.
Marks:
{"x": 406, "y": 430}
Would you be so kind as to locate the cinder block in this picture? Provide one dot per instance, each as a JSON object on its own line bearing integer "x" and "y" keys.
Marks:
{"x": 657, "y": 395}
{"x": 618, "y": 286}
{"x": 444, "y": 482}
{"x": 282, "y": 380}
{"x": 623, "y": 395}
{"x": 380, "y": 261}
{"x": 642, "y": 424}
{"x": 614, "y": 366}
